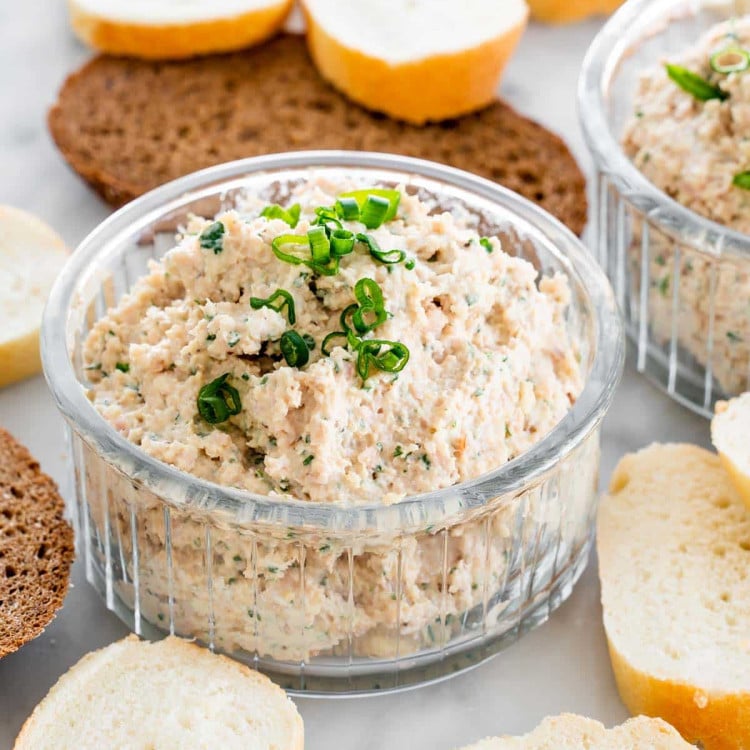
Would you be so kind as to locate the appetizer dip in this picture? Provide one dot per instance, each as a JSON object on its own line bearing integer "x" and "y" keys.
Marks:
{"x": 690, "y": 135}
{"x": 354, "y": 346}
{"x": 351, "y": 347}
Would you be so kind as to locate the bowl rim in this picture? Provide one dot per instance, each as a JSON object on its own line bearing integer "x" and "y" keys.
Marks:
{"x": 599, "y": 65}
{"x": 190, "y": 491}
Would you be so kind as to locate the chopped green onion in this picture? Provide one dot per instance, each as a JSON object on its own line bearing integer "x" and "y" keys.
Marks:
{"x": 290, "y": 215}
{"x": 374, "y": 211}
{"x": 212, "y": 237}
{"x": 290, "y": 240}
{"x": 370, "y": 299}
{"x": 388, "y": 257}
{"x": 370, "y": 354}
{"x": 309, "y": 340}
{"x": 346, "y": 313}
{"x": 742, "y": 180}
{"x": 392, "y": 196}
{"x": 325, "y": 216}
{"x": 217, "y": 401}
{"x": 294, "y": 349}
{"x": 347, "y": 208}
{"x": 731, "y": 59}
{"x": 122, "y": 367}
{"x": 320, "y": 247}
{"x": 342, "y": 242}
{"x": 409, "y": 265}
{"x": 277, "y": 301}
{"x": 486, "y": 244}
{"x": 308, "y": 460}
{"x": 694, "y": 84}
{"x": 326, "y": 346}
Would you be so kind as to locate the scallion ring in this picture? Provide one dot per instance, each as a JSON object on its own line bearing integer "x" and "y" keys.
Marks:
{"x": 374, "y": 210}
{"x": 388, "y": 257}
{"x": 742, "y": 180}
{"x": 731, "y": 59}
{"x": 290, "y": 241}
{"x": 392, "y": 196}
{"x": 370, "y": 354}
{"x": 347, "y": 208}
{"x": 217, "y": 400}
{"x": 327, "y": 344}
{"x": 295, "y": 350}
{"x": 289, "y": 215}
{"x": 327, "y": 217}
{"x": 320, "y": 246}
{"x": 342, "y": 242}
{"x": 370, "y": 298}
{"x": 694, "y": 84}
{"x": 277, "y": 301}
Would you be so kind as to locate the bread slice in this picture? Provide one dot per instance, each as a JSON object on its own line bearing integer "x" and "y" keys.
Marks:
{"x": 134, "y": 695}
{"x": 568, "y": 11}
{"x": 571, "y": 732}
{"x": 31, "y": 255}
{"x": 416, "y": 61}
{"x": 730, "y": 434}
{"x": 165, "y": 29}
{"x": 36, "y": 547}
{"x": 124, "y": 140}
{"x": 674, "y": 563}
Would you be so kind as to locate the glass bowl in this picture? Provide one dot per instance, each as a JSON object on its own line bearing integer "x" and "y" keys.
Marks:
{"x": 681, "y": 280}
{"x": 329, "y": 597}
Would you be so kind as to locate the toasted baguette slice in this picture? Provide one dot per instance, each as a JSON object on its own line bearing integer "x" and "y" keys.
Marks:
{"x": 730, "y": 434}
{"x": 166, "y": 29}
{"x": 674, "y": 563}
{"x": 567, "y": 11}
{"x": 415, "y": 60}
{"x": 31, "y": 255}
{"x": 571, "y": 732}
{"x": 134, "y": 695}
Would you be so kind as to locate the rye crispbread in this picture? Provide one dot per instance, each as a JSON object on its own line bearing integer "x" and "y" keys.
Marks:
{"x": 127, "y": 126}
{"x": 36, "y": 547}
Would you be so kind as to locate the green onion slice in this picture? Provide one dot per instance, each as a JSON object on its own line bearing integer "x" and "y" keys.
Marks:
{"x": 326, "y": 216}
{"x": 389, "y": 258}
{"x": 371, "y": 354}
{"x": 742, "y": 180}
{"x": 290, "y": 241}
{"x": 731, "y": 59}
{"x": 217, "y": 400}
{"x": 295, "y": 350}
{"x": 320, "y": 247}
{"x": 374, "y": 210}
{"x": 277, "y": 301}
{"x": 122, "y": 367}
{"x": 347, "y": 208}
{"x": 694, "y": 84}
{"x": 392, "y": 196}
{"x": 289, "y": 215}
{"x": 309, "y": 340}
{"x": 212, "y": 237}
{"x": 486, "y": 244}
{"x": 342, "y": 242}
{"x": 328, "y": 344}
{"x": 370, "y": 298}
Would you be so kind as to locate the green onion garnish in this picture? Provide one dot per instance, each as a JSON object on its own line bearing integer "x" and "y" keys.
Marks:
{"x": 290, "y": 215}
{"x": 370, "y": 298}
{"x": 212, "y": 237}
{"x": 347, "y": 208}
{"x": 285, "y": 242}
{"x": 374, "y": 211}
{"x": 731, "y": 59}
{"x": 320, "y": 247}
{"x": 309, "y": 340}
{"x": 294, "y": 349}
{"x": 694, "y": 84}
{"x": 122, "y": 367}
{"x": 217, "y": 401}
{"x": 742, "y": 180}
{"x": 342, "y": 242}
{"x": 327, "y": 344}
{"x": 389, "y": 258}
{"x": 277, "y": 301}
{"x": 360, "y": 196}
{"x": 370, "y": 354}
{"x": 486, "y": 244}
{"x": 410, "y": 264}
{"x": 326, "y": 216}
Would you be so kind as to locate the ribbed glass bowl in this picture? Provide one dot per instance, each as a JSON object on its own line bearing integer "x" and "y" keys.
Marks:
{"x": 330, "y": 598}
{"x": 681, "y": 280}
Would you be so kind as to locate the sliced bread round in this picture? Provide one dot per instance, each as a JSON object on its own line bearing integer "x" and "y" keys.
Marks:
{"x": 36, "y": 547}
{"x": 730, "y": 434}
{"x": 416, "y": 60}
{"x": 674, "y": 563}
{"x": 171, "y": 694}
{"x": 571, "y": 732}
{"x": 124, "y": 140}
{"x": 31, "y": 254}
{"x": 165, "y": 29}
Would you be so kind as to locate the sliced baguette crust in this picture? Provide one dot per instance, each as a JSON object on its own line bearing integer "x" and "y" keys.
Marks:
{"x": 431, "y": 89}
{"x": 730, "y": 434}
{"x": 571, "y": 732}
{"x": 174, "y": 41}
{"x": 674, "y": 550}
{"x": 67, "y": 708}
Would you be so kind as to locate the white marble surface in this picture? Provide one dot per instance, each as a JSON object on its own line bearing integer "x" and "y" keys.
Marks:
{"x": 562, "y": 666}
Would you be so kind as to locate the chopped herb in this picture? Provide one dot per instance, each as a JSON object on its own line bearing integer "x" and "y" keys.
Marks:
{"x": 290, "y": 215}
{"x": 734, "y": 337}
{"x": 122, "y": 366}
{"x": 486, "y": 244}
{"x": 277, "y": 301}
{"x": 233, "y": 339}
{"x": 664, "y": 286}
{"x": 212, "y": 237}
{"x": 237, "y": 558}
{"x": 245, "y": 376}
{"x": 296, "y": 352}
{"x": 398, "y": 452}
{"x": 471, "y": 299}
{"x": 694, "y": 84}
{"x": 425, "y": 459}
{"x": 324, "y": 548}
{"x": 659, "y": 260}
{"x": 211, "y": 337}
{"x": 308, "y": 460}
{"x": 742, "y": 180}
{"x": 217, "y": 400}
{"x": 272, "y": 569}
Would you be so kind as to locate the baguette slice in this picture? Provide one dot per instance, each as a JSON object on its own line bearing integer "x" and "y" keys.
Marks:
{"x": 31, "y": 255}
{"x": 674, "y": 564}
{"x": 730, "y": 434}
{"x": 568, "y": 11}
{"x": 134, "y": 695}
{"x": 416, "y": 60}
{"x": 167, "y": 29}
{"x": 571, "y": 732}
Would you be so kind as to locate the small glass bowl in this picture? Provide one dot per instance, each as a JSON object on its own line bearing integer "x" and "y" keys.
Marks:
{"x": 330, "y": 598}
{"x": 693, "y": 335}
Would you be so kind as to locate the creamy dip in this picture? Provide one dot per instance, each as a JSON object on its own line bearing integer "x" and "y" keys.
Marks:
{"x": 491, "y": 368}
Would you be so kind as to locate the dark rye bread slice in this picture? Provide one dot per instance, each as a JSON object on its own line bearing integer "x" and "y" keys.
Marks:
{"x": 127, "y": 126}
{"x": 36, "y": 547}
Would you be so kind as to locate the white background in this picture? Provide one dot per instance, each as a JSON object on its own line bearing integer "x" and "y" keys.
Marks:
{"x": 562, "y": 666}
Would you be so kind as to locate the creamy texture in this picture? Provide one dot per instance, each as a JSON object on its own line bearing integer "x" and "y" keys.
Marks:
{"x": 692, "y": 150}
{"x": 491, "y": 366}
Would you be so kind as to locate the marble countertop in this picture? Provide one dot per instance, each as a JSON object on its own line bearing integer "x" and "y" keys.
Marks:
{"x": 562, "y": 666}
